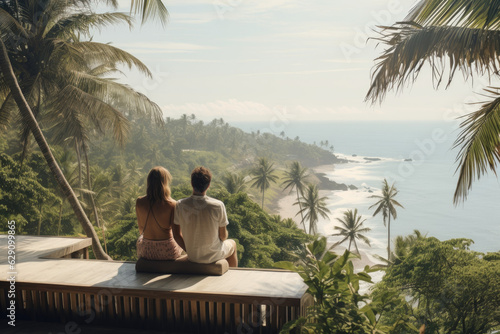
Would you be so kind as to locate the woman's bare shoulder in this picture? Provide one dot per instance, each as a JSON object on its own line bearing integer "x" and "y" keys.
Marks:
{"x": 141, "y": 201}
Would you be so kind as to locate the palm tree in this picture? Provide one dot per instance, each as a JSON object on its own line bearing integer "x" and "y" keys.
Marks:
{"x": 386, "y": 204}
{"x": 48, "y": 45}
{"x": 313, "y": 206}
{"x": 295, "y": 178}
{"x": 234, "y": 183}
{"x": 466, "y": 34}
{"x": 10, "y": 79}
{"x": 264, "y": 174}
{"x": 352, "y": 229}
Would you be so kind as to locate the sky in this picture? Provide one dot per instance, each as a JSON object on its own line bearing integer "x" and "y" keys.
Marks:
{"x": 297, "y": 60}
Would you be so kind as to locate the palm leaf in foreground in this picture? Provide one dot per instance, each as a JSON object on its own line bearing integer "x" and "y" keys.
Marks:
{"x": 480, "y": 14}
{"x": 411, "y": 45}
{"x": 479, "y": 142}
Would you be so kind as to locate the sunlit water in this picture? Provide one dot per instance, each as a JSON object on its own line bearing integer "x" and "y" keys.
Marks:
{"x": 426, "y": 184}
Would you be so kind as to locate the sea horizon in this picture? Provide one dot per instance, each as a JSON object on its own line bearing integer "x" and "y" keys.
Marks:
{"x": 426, "y": 184}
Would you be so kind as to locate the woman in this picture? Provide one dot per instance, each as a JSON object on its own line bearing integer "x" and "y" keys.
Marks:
{"x": 155, "y": 216}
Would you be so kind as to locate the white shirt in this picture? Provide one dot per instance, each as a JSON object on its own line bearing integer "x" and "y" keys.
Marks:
{"x": 200, "y": 218}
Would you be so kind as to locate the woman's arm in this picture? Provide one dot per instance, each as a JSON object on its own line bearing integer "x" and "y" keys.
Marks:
{"x": 139, "y": 225}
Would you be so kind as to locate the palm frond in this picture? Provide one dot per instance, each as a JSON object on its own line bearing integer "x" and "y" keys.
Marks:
{"x": 113, "y": 91}
{"x": 7, "y": 106}
{"x": 411, "y": 46}
{"x": 478, "y": 14}
{"x": 85, "y": 24}
{"x": 363, "y": 238}
{"x": 150, "y": 8}
{"x": 10, "y": 26}
{"x": 101, "y": 114}
{"x": 479, "y": 142}
{"x": 98, "y": 53}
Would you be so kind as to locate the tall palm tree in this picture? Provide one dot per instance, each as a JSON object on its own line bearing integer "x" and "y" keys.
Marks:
{"x": 264, "y": 174}
{"x": 352, "y": 229}
{"x": 10, "y": 79}
{"x": 295, "y": 177}
{"x": 41, "y": 37}
{"x": 466, "y": 35}
{"x": 386, "y": 204}
{"x": 234, "y": 183}
{"x": 313, "y": 207}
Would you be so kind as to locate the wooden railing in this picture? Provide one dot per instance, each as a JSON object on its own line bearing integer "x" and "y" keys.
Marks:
{"x": 82, "y": 292}
{"x": 202, "y": 313}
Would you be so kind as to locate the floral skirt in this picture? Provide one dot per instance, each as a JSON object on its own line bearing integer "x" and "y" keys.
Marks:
{"x": 158, "y": 249}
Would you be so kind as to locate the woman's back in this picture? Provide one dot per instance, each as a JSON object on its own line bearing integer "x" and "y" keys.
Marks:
{"x": 159, "y": 216}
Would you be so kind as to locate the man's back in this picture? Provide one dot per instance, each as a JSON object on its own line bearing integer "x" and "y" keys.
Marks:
{"x": 200, "y": 218}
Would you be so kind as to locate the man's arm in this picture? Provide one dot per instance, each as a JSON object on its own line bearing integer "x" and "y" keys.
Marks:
{"x": 178, "y": 236}
{"x": 176, "y": 228}
{"x": 223, "y": 233}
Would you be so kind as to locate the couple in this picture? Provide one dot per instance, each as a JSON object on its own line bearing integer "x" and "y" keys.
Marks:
{"x": 196, "y": 224}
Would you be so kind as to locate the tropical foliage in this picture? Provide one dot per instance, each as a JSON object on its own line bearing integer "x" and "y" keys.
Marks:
{"x": 454, "y": 35}
{"x": 338, "y": 306}
{"x": 46, "y": 71}
{"x": 234, "y": 183}
{"x": 450, "y": 288}
{"x": 118, "y": 178}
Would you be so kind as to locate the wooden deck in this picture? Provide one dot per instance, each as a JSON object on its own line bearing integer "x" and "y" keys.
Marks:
{"x": 52, "y": 288}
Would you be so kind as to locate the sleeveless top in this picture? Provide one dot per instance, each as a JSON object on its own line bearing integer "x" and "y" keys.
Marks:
{"x": 166, "y": 249}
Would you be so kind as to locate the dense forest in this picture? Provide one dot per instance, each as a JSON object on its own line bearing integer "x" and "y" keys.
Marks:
{"x": 108, "y": 176}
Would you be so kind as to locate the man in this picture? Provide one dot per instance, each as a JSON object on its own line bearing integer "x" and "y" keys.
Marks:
{"x": 202, "y": 221}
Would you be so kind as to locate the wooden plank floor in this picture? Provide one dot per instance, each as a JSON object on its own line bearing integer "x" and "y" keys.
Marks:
{"x": 34, "y": 265}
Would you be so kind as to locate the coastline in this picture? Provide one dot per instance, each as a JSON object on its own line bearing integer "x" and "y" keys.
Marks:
{"x": 286, "y": 209}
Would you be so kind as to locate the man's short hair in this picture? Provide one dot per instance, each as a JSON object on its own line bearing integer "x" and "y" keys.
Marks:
{"x": 200, "y": 179}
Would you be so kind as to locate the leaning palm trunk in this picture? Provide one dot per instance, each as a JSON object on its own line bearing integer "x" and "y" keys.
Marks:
{"x": 60, "y": 217}
{"x": 29, "y": 118}
{"x": 92, "y": 201}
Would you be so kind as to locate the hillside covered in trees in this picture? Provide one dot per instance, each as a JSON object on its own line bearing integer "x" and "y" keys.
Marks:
{"x": 108, "y": 176}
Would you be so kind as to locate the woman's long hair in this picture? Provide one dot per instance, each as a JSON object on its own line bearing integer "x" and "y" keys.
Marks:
{"x": 158, "y": 185}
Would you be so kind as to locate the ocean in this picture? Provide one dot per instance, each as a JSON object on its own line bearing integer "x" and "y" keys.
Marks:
{"x": 426, "y": 184}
